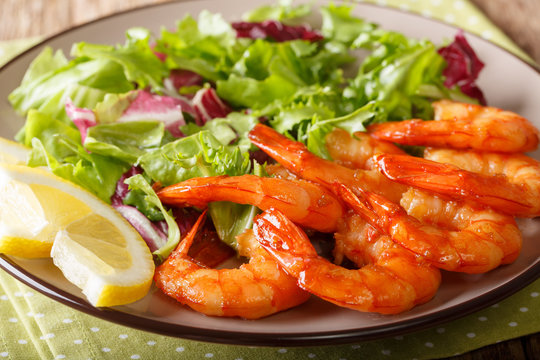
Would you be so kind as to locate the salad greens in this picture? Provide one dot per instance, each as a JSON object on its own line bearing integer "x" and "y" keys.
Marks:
{"x": 180, "y": 104}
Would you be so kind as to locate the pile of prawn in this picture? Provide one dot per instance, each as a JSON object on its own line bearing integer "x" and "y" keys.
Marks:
{"x": 400, "y": 219}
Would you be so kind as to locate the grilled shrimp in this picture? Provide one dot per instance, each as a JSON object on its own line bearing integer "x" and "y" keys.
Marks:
{"x": 387, "y": 286}
{"x": 295, "y": 157}
{"x": 463, "y": 126}
{"x": 306, "y": 203}
{"x": 254, "y": 290}
{"x": 481, "y": 239}
{"x": 509, "y": 183}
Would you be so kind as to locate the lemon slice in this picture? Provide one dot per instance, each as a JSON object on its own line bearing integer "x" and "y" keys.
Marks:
{"x": 12, "y": 152}
{"x": 93, "y": 245}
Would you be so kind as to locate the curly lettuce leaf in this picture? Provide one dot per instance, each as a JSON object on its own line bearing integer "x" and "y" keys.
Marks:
{"x": 340, "y": 25}
{"x": 206, "y": 47}
{"x": 353, "y": 122}
{"x": 404, "y": 75}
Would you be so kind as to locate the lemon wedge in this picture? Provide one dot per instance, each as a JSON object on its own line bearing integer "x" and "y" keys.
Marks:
{"x": 96, "y": 249}
{"x": 12, "y": 152}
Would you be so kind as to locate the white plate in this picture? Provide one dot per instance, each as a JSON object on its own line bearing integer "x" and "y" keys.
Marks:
{"x": 507, "y": 82}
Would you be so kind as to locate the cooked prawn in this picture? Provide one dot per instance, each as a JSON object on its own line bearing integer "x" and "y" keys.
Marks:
{"x": 254, "y": 290}
{"x": 295, "y": 157}
{"x": 463, "y": 126}
{"x": 306, "y": 203}
{"x": 386, "y": 286}
{"x": 508, "y": 183}
{"x": 431, "y": 209}
{"x": 481, "y": 241}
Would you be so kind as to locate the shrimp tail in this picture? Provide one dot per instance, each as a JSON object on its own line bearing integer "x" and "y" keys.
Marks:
{"x": 373, "y": 208}
{"x": 286, "y": 242}
{"x": 449, "y": 180}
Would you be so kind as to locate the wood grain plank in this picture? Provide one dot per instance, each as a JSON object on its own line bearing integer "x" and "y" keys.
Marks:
{"x": 519, "y": 19}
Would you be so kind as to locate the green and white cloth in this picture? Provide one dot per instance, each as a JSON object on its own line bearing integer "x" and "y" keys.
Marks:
{"x": 36, "y": 327}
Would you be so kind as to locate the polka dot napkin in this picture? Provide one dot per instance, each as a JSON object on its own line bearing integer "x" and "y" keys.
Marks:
{"x": 36, "y": 327}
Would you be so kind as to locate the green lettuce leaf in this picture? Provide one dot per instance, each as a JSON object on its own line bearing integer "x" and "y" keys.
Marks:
{"x": 124, "y": 141}
{"x": 283, "y": 11}
{"x": 85, "y": 82}
{"x": 207, "y": 47}
{"x": 136, "y": 58}
{"x": 197, "y": 155}
{"x": 340, "y": 25}
{"x": 353, "y": 122}
{"x": 231, "y": 130}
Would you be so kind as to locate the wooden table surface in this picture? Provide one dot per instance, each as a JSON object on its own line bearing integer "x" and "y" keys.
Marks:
{"x": 519, "y": 19}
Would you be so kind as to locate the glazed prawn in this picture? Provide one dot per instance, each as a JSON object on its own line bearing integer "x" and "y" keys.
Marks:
{"x": 306, "y": 203}
{"x": 392, "y": 284}
{"x": 509, "y": 183}
{"x": 463, "y": 126}
{"x": 481, "y": 241}
{"x": 469, "y": 239}
{"x": 254, "y": 290}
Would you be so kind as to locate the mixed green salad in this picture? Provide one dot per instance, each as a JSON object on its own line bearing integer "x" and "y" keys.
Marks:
{"x": 163, "y": 108}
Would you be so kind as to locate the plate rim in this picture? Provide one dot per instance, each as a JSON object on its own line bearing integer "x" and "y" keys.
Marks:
{"x": 303, "y": 339}
{"x": 271, "y": 338}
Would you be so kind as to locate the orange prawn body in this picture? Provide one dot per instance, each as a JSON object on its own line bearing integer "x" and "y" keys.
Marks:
{"x": 463, "y": 126}
{"x": 307, "y": 203}
{"x": 254, "y": 290}
{"x": 479, "y": 243}
{"x": 385, "y": 286}
{"x": 474, "y": 244}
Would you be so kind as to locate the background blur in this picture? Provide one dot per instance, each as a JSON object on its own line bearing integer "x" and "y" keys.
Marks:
{"x": 519, "y": 19}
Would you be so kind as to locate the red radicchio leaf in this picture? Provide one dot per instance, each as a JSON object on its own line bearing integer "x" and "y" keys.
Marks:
{"x": 81, "y": 117}
{"x": 275, "y": 30}
{"x": 151, "y": 234}
{"x": 166, "y": 109}
{"x": 209, "y": 106}
{"x": 122, "y": 189}
{"x": 463, "y": 67}
{"x": 181, "y": 78}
